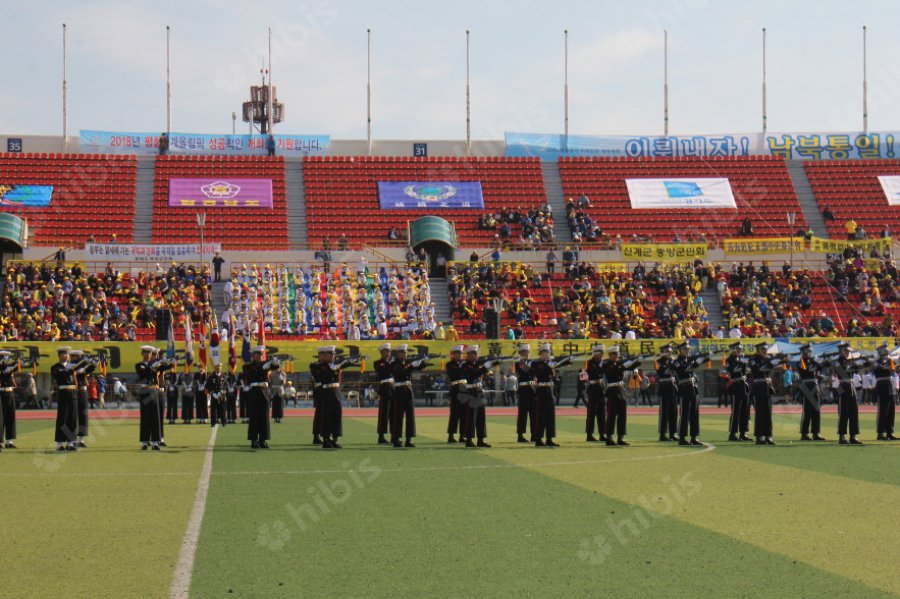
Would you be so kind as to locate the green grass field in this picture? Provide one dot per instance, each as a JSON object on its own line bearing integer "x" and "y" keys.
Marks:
{"x": 728, "y": 520}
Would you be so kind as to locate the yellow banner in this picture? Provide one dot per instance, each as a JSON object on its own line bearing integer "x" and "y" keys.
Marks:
{"x": 121, "y": 357}
{"x": 836, "y": 246}
{"x": 610, "y": 266}
{"x": 762, "y": 245}
{"x": 664, "y": 252}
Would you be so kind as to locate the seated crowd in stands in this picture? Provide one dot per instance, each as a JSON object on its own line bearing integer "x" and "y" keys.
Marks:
{"x": 535, "y": 226}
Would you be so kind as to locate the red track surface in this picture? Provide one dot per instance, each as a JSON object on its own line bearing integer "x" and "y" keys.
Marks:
{"x": 434, "y": 412}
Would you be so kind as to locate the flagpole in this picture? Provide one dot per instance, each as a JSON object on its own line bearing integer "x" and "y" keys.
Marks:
{"x": 566, "y": 85}
{"x": 65, "y": 95}
{"x": 865, "y": 87}
{"x": 168, "y": 87}
{"x": 468, "y": 102}
{"x": 369, "y": 92}
{"x": 271, "y": 92}
{"x": 665, "y": 83}
{"x": 764, "y": 108}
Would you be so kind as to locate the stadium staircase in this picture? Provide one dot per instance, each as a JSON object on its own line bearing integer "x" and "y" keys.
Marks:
{"x": 217, "y": 298}
{"x": 143, "y": 199}
{"x": 296, "y": 202}
{"x": 557, "y": 201}
{"x": 713, "y": 308}
{"x": 441, "y": 299}
{"x": 806, "y": 198}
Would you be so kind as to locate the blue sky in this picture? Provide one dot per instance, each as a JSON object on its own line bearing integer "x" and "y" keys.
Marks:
{"x": 117, "y": 65}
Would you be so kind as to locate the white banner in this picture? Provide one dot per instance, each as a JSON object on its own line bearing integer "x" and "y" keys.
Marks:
{"x": 891, "y": 186}
{"x": 134, "y": 252}
{"x": 680, "y": 193}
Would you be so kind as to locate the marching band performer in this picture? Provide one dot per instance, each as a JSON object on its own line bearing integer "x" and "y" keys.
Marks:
{"x": 525, "y": 395}
{"x": 8, "y": 369}
{"x": 148, "y": 371}
{"x": 596, "y": 393}
{"x": 736, "y": 368}
{"x": 883, "y": 369}
{"x": 325, "y": 373}
{"x": 160, "y": 392}
{"x": 216, "y": 388}
{"x": 471, "y": 397}
{"x": 685, "y": 365}
{"x": 402, "y": 405}
{"x": 256, "y": 374}
{"x": 383, "y": 366}
{"x": 171, "y": 385}
{"x": 543, "y": 373}
{"x": 667, "y": 387}
{"x": 187, "y": 397}
{"x": 277, "y": 379}
{"x": 848, "y": 403}
{"x": 455, "y": 380}
{"x": 810, "y": 370}
{"x": 616, "y": 413}
{"x": 86, "y": 366}
{"x": 63, "y": 374}
{"x": 200, "y": 409}
{"x": 231, "y": 398}
{"x": 761, "y": 367}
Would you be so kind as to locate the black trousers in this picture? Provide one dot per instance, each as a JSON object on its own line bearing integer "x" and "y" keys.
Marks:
{"x": 689, "y": 422}
{"x": 277, "y": 405}
{"x": 331, "y": 420}
{"x": 668, "y": 409}
{"x": 8, "y": 417}
{"x": 317, "y": 411}
{"x": 740, "y": 409}
{"x": 812, "y": 408}
{"x": 151, "y": 423}
{"x": 457, "y": 412}
{"x": 83, "y": 413}
{"x": 848, "y": 410}
{"x": 231, "y": 407}
{"x": 402, "y": 409}
{"x": 596, "y": 411}
{"x": 187, "y": 407}
{"x": 544, "y": 414}
{"x": 243, "y": 408}
{"x": 886, "y": 408}
{"x": 200, "y": 406}
{"x": 217, "y": 411}
{"x": 525, "y": 412}
{"x": 384, "y": 409}
{"x": 172, "y": 406}
{"x": 615, "y": 412}
{"x": 66, "y": 417}
{"x": 474, "y": 423}
{"x": 762, "y": 404}
{"x": 259, "y": 428}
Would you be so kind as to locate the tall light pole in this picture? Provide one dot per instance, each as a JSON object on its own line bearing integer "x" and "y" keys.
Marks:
{"x": 566, "y": 86}
{"x": 764, "y": 110}
{"x": 792, "y": 219}
{"x": 369, "y": 92}
{"x": 468, "y": 102}
{"x": 865, "y": 87}
{"x": 665, "y": 83}
{"x": 65, "y": 94}
{"x": 271, "y": 93}
{"x": 201, "y": 224}
{"x": 168, "y": 88}
{"x": 234, "y": 123}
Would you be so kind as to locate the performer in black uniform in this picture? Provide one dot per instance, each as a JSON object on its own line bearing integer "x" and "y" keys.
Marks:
{"x": 525, "y": 395}
{"x": 156, "y": 358}
{"x": 187, "y": 397}
{"x": 883, "y": 369}
{"x": 277, "y": 379}
{"x": 171, "y": 384}
{"x": 200, "y": 407}
{"x": 9, "y": 365}
{"x": 810, "y": 369}
{"x": 216, "y": 388}
{"x": 325, "y": 374}
{"x": 242, "y": 389}
{"x": 231, "y": 396}
{"x": 471, "y": 397}
{"x": 761, "y": 367}
{"x": 63, "y": 374}
{"x": 256, "y": 374}
{"x": 454, "y": 381}
{"x": 614, "y": 373}
{"x": 848, "y": 403}
{"x": 667, "y": 388}
{"x": 385, "y": 380}
{"x": 736, "y": 368}
{"x": 543, "y": 378}
{"x": 596, "y": 394}
{"x": 148, "y": 371}
{"x": 402, "y": 403}
{"x": 86, "y": 367}
{"x": 685, "y": 365}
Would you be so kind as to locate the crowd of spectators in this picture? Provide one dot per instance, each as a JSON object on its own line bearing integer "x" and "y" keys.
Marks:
{"x": 520, "y": 228}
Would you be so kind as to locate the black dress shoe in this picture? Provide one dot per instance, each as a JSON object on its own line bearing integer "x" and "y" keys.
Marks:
{"x": 760, "y": 441}
{"x": 695, "y": 442}
{"x": 317, "y": 440}
{"x": 71, "y": 447}
{"x": 409, "y": 443}
{"x": 745, "y": 438}
{"x": 156, "y": 448}
{"x": 521, "y": 439}
{"x": 254, "y": 445}
{"x": 683, "y": 442}
{"x": 61, "y": 448}
{"x": 881, "y": 438}
{"x": 592, "y": 439}
{"x": 334, "y": 445}
{"x": 673, "y": 438}
{"x": 145, "y": 447}
{"x": 550, "y": 443}
{"x": 162, "y": 444}
{"x": 539, "y": 443}
{"x": 10, "y": 445}
{"x": 819, "y": 438}
{"x": 383, "y": 441}
{"x": 892, "y": 438}
{"x": 451, "y": 439}
{"x": 805, "y": 438}
{"x": 856, "y": 442}
{"x": 732, "y": 437}
{"x": 82, "y": 444}
{"x": 610, "y": 443}
{"x": 663, "y": 438}
{"x": 470, "y": 443}
{"x": 622, "y": 443}
{"x": 326, "y": 444}
{"x": 770, "y": 442}
{"x": 843, "y": 442}
{"x": 483, "y": 444}
{"x": 397, "y": 444}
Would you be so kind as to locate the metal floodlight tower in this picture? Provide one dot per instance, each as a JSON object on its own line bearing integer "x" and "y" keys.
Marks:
{"x": 256, "y": 111}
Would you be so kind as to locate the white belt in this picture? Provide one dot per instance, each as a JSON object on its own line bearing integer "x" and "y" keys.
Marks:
{"x": 67, "y": 387}
{"x": 619, "y": 384}
{"x": 880, "y": 378}
{"x": 765, "y": 380}
{"x": 7, "y": 389}
{"x": 474, "y": 386}
{"x": 386, "y": 381}
{"x": 460, "y": 382}
{"x": 597, "y": 382}
{"x": 259, "y": 385}
{"x": 403, "y": 384}
{"x": 668, "y": 380}
{"x": 546, "y": 384}
{"x": 149, "y": 386}
{"x": 330, "y": 385}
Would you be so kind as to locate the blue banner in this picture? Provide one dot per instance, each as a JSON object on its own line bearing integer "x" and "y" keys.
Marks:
{"x": 25, "y": 195}
{"x": 117, "y": 142}
{"x": 430, "y": 194}
{"x": 811, "y": 146}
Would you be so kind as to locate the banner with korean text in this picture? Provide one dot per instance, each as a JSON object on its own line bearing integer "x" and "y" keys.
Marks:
{"x": 836, "y": 246}
{"x": 147, "y": 144}
{"x": 430, "y": 194}
{"x": 664, "y": 252}
{"x": 135, "y": 252}
{"x": 680, "y": 193}
{"x": 763, "y": 245}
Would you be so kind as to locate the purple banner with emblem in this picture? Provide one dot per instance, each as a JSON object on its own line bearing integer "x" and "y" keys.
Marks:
{"x": 430, "y": 194}
{"x": 220, "y": 193}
